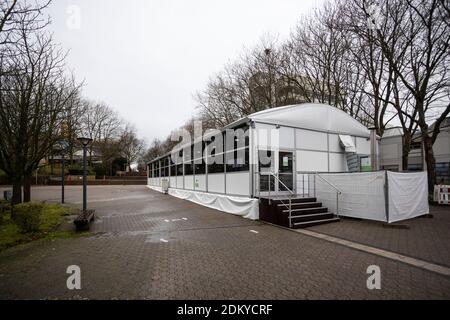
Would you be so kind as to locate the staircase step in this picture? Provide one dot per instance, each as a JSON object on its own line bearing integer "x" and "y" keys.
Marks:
{"x": 302, "y": 211}
{"x": 301, "y": 205}
{"x": 293, "y": 200}
{"x": 312, "y": 217}
{"x": 298, "y": 225}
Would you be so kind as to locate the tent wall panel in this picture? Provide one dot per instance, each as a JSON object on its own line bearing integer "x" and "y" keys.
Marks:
{"x": 334, "y": 144}
{"x": 362, "y": 146}
{"x": 216, "y": 182}
{"x": 338, "y": 162}
{"x": 189, "y": 182}
{"x": 200, "y": 182}
{"x": 180, "y": 182}
{"x": 172, "y": 182}
{"x": 311, "y": 140}
{"x": 238, "y": 183}
{"x": 266, "y": 136}
{"x": 311, "y": 161}
{"x": 287, "y": 137}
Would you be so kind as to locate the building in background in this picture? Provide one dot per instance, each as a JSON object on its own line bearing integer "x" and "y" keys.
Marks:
{"x": 391, "y": 152}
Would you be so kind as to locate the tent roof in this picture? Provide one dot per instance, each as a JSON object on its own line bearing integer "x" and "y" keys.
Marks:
{"x": 314, "y": 116}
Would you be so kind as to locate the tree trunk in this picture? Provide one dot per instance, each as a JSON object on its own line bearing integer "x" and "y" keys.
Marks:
{"x": 27, "y": 189}
{"x": 406, "y": 148}
{"x": 17, "y": 190}
{"x": 430, "y": 160}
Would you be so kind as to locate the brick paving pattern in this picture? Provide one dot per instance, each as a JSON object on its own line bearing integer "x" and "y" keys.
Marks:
{"x": 211, "y": 255}
{"x": 424, "y": 238}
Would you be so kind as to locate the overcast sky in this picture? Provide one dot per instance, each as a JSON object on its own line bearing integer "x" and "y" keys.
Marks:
{"x": 146, "y": 58}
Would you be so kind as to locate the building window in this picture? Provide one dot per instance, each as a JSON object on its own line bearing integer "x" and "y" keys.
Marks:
{"x": 188, "y": 169}
{"x": 200, "y": 168}
{"x": 237, "y": 138}
{"x": 216, "y": 168}
{"x": 156, "y": 169}
{"x": 215, "y": 160}
{"x": 237, "y": 160}
{"x": 414, "y": 167}
{"x": 416, "y": 145}
{"x": 443, "y": 172}
{"x": 165, "y": 167}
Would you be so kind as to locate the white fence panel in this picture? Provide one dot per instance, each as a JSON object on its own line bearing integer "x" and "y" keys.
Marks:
{"x": 362, "y": 194}
{"x": 408, "y": 195}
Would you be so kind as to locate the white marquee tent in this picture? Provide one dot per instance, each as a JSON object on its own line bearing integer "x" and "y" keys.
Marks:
{"x": 291, "y": 141}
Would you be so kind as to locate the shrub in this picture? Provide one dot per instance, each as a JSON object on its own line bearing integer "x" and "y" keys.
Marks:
{"x": 99, "y": 171}
{"x": 5, "y": 205}
{"x": 27, "y": 216}
{"x": 77, "y": 170}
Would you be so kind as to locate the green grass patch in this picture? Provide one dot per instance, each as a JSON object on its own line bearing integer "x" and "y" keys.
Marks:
{"x": 50, "y": 218}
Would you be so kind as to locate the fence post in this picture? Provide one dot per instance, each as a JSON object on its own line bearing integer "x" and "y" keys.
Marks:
{"x": 386, "y": 195}
{"x": 314, "y": 185}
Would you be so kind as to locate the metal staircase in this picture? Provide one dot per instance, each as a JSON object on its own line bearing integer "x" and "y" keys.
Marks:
{"x": 295, "y": 211}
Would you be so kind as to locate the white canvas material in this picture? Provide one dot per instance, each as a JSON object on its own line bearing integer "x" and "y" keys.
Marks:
{"x": 348, "y": 143}
{"x": 315, "y": 116}
{"x": 364, "y": 195}
{"x": 242, "y": 206}
{"x": 408, "y": 195}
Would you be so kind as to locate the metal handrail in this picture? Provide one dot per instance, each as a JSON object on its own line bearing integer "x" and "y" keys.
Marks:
{"x": 338, "y": 192}
{"x": 271, "y": 173}
{"x": 278, "y": 179}
{"x": 332, "y": 185}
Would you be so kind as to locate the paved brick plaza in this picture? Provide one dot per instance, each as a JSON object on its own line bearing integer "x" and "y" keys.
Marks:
{"x": 214, "y": 255}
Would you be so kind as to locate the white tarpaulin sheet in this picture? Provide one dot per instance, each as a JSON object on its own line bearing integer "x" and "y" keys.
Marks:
{"x": 362, "y": 194}
{"x": 347, "y": 142}
{"x": 408, "y": 195}
{"x": 242, "y": 206}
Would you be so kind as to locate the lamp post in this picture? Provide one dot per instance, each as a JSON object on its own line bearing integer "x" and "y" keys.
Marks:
{"x": 84, "y": 142}
{"x": 62, "y": 146}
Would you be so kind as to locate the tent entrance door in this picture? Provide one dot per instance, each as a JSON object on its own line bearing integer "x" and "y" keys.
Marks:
{"x": 280, "y": 163}
{"x": 285, "y": 172}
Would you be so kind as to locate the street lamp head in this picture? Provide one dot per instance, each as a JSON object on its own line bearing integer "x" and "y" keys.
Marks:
{"x": 84, "y": 141}
{"x": 61, "y": 146}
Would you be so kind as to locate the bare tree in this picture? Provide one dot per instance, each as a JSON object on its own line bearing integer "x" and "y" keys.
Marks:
{"x": 131, "y": 146}
{"x": 34, "y": 92}
{"x": 17, "y": 16}
{"x": 420, "y": 60}
{"x": 103, "y": 126}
